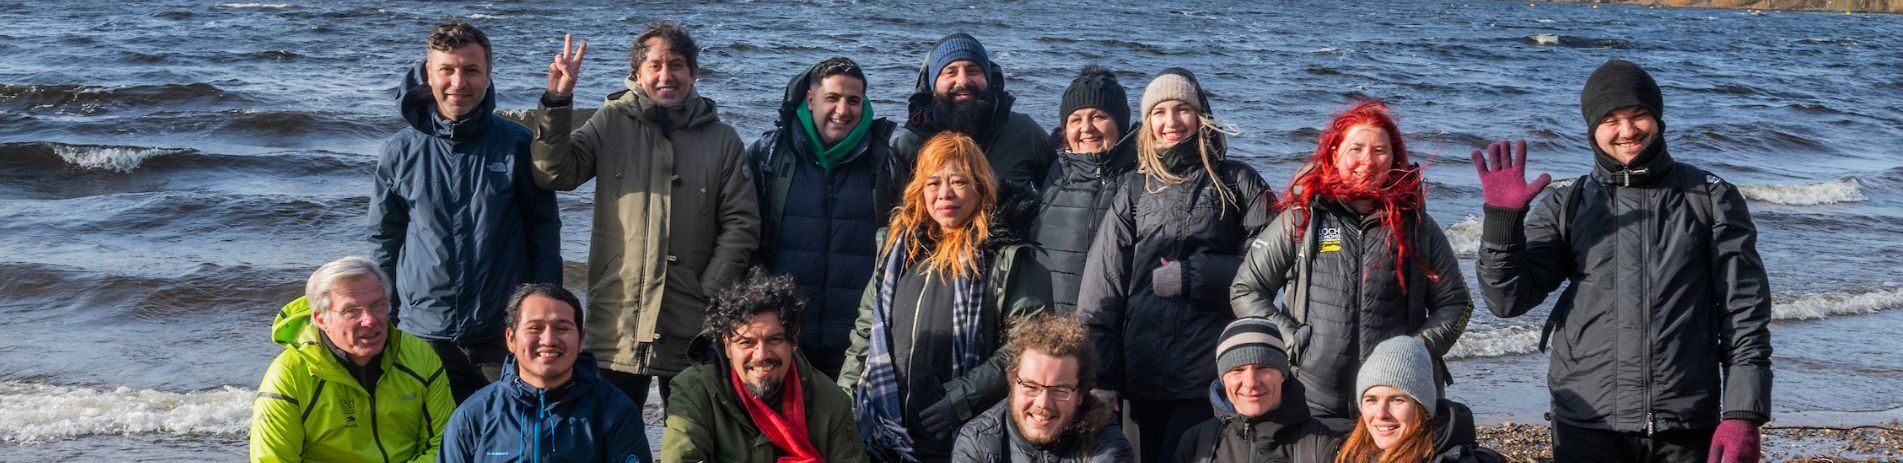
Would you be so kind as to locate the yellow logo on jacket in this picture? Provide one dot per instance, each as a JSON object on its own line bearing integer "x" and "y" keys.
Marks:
{"x": 1330, "y": 239}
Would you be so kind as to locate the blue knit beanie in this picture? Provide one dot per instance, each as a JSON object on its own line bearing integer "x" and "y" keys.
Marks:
{"x": 955, "y": 47}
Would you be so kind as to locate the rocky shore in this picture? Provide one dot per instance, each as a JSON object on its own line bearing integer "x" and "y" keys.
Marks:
{"x": 1530, "y": 443}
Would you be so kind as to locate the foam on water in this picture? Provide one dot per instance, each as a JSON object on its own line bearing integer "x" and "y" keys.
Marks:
{"x": 258, "y": 5}
{"x": 36, "y": 413}
{"x": 113, "y": 158}
{"x": 1464, "y": 236}
{"x": 1847, "y": 190}
{"x": 1524, "y": 339}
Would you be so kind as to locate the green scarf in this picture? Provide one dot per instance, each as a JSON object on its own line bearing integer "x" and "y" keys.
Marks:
{"x": 829, "y": 157}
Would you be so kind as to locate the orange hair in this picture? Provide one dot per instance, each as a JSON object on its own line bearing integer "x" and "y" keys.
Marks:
{"x": 955, "y": 251}
{"x": 1417, "y": 445}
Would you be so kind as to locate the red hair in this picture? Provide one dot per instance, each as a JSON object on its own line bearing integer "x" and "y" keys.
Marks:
{"x": 1397, "y": 200}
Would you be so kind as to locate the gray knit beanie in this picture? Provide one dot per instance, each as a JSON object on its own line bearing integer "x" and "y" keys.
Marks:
{"x": 1401, "y": 362}
{"x": 1172, "y": 86}
{"x": 1250, "y": 341}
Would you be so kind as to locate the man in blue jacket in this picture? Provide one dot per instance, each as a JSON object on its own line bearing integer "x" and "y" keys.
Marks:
{"x": 457, "y": 220}
{"x": 549, "y": 405}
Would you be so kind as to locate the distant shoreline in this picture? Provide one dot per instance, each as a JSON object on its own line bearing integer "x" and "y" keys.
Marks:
{"x": 1835, "y": 6}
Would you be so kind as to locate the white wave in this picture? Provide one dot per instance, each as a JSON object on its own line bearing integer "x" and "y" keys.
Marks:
{"x": 1818, "y": 306}
{"x": 113, "y": 158}
{"x": 1543, "y": 21}
{"x": 34, "y": 413}
{"x": 257, "y": 5}
{"x": 485, "y": 16}
{"x": 1464, "y": 236}
{"x": 1847, "y": 190}
{"x": 1524, "y": 339}
{"x": 1326, "y": 50}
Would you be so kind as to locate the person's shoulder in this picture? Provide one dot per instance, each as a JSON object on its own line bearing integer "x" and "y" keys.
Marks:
{"x": 699, "y": 377}
{"x": 416, "y": 355}
{"x": 988, "y": 423}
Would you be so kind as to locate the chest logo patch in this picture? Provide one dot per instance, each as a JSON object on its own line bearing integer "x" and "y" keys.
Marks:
{"x": 1330, "y": 240}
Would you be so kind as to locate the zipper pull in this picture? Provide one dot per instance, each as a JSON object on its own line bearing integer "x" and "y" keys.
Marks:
{"x": 1651, "y": 424}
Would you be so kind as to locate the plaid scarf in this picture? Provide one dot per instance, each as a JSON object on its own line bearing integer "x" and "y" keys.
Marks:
{"x": 882, "y": 423}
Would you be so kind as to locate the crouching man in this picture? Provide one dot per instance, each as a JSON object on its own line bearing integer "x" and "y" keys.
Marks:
{"x": 1261, "y": 412}
{"x": 1048, "y": 417}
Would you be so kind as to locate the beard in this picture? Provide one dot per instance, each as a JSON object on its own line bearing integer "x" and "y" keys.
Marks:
{"x": 766, "y": 391}
{"x": 1062, "y": 424}
{"x": 966, "y": 118}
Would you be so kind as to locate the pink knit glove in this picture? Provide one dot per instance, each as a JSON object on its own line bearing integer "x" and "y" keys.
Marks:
{"x": 1736, "y": 441}
{"x": 1503, "y": 176}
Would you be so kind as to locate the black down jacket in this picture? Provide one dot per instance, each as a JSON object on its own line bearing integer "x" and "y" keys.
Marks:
{"x": 1079, "y": 190}
{"x": 1665, "y": 319}
{"x": 1353, "y": 301}
{"x": 993, "y": 437}
{"x": 1170, "y": 340}
{"x": 1286, "y": 434}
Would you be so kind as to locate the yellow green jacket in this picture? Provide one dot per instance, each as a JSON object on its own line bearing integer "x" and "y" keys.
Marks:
{"x": 310, "y": 409}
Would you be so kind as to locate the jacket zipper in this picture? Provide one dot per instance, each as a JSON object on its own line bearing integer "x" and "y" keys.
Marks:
{"x": 376, "y": 434}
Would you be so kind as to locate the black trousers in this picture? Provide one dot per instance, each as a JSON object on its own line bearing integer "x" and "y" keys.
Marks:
{"x": 1155, "y": 427}
{"x": 636, "y": 386}
{"x": 470, "y": 367}
{"x": 1575, "y": 444}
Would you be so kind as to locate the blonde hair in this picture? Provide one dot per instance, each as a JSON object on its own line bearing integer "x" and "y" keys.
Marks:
{"x": 1150, "y": 158}
{"x": 955, "y": 251}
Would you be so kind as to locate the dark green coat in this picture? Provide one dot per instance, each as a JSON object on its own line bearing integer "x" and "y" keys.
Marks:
{"x": 706, "y": 422}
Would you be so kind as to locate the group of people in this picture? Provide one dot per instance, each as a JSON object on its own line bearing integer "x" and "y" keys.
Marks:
{"x": 965, "y": 286}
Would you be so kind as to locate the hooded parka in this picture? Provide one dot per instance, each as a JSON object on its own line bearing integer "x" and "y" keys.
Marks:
{"x": 456, "y": 217}
{"x": 310, "y": 407}
{"x": 1353, "y": 300}
{"x": 676, "y": 217}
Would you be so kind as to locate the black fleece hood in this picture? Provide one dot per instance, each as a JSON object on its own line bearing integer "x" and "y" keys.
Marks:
{"x": 1618, "y": 84}
{"x": 417, "y": 103}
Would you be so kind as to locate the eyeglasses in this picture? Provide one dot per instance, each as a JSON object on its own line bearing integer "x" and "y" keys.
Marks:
{"x": 1035, "y": 390}
{"x": 357, "y": 313}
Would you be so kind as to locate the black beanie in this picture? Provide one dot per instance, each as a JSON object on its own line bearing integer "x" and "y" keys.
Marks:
{"x": 1618, "y": 84}
{"x": 1098, "y": 88}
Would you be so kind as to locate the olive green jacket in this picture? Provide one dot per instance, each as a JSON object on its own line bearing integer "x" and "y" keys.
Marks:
{"x": 707, "y": 423}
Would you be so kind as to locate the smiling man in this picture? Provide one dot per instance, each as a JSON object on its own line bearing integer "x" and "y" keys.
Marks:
{"x": 549, "y": 405}
{"x": 1260, "y": 411}
{"x": 754, "y": 385}
{"x": 1049, "y": 417}
{"x": 961, "y": 90}
{"x": 1661, "y": 338}
{"x": 456, "y": 218}
{"x": 826, "y": 179}
{"x": 676, "y": 217}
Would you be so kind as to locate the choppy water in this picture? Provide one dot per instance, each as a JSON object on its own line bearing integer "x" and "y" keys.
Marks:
{"x": 171, "y": 171}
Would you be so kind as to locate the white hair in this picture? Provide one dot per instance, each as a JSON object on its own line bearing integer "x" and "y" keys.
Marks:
{"x": 317, "y": 289}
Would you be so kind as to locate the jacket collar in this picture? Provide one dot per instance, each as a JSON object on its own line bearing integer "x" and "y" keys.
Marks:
{"x": 1651, "y": 165}
{"x": 694, "y": 111}
{"x": 417, "y": 105}
{"x": 578, "y": 386}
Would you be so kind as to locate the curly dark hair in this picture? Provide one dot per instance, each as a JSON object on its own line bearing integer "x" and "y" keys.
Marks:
{"x": 760, "y": 291}
{"x": 678, "y": 41}
{"x": 457, "y": 34}
{"x": 1056, "y": 335}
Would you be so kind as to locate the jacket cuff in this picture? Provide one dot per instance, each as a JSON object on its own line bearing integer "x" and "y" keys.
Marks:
{"x": 1753, "y": 417}
{"x": 1501, "y": 225}
{"x": 549, "y": 99}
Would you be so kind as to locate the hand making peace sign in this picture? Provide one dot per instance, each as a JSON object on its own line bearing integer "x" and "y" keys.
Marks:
{"x": 566, "y": 68}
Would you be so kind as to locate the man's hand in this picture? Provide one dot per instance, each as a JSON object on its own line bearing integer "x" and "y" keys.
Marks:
{"x": 938, "y": 419}
{"x": 1735, "y": 441}
{"x": 1503, "y": 176}
{"x": 566, "y": 67}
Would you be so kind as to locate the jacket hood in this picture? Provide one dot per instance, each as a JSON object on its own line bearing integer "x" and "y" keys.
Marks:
{"x": 1013, "y": 216}
{"x": 292, "y": 328}
{"x": 1453, "y": 426}
{"x": 694, "y": 111}
{"x": 418, "y": 106}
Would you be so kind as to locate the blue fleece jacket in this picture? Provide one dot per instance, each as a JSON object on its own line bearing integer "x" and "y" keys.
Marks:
{"x": 457, "y": 220}
{"x": 585, "y": 420}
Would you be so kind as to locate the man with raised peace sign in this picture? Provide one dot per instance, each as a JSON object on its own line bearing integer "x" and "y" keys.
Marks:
{"x": 675, "y": 213}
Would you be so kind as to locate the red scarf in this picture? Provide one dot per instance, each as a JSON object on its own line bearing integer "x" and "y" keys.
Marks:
{"x": 788, "y": 431}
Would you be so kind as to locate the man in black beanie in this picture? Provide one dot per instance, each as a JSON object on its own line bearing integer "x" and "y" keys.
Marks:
{"x": 961, "y": 90}
{"x": 1661, "y": 339}
{"x": 1093, "y": 153}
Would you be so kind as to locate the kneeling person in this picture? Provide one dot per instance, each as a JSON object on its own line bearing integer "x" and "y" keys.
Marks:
{"x": 1052, "y": 418}
{"x": 340, "y": 335}
{"x": 754, "y": 385}
{"x": 549, "y": 404}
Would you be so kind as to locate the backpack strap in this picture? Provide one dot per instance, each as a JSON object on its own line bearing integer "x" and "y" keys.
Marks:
{"x": 1297, "y": 278}
{"x": 1697, "y": 188}
{"x": 1569, "y": 207}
